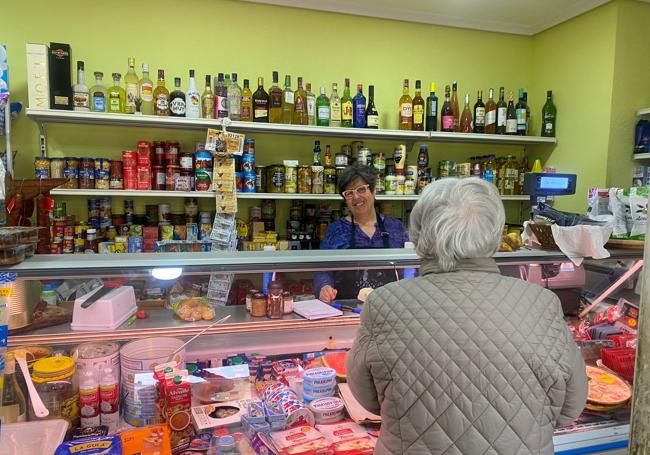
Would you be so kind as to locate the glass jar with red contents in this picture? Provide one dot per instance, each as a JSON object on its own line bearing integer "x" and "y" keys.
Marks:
{"x": 158, "y": 177}
{"x": 172, "y": 151}
{"x": 173, "y": 172}
{"x": 159, "y": 153}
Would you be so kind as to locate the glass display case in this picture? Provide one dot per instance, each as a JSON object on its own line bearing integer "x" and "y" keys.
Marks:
{"x": 162, "y": 283}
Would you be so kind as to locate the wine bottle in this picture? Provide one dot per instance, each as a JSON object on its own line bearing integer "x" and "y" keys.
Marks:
{"x": 447, "y": 113}
{"x": 454, "y": 105}
{"x": 511, "y": 116}
{"x": 491, "y": 114}
{"x": 479, "y": 114}
{"x": 466, "y": 117}
{"x": 432, "y": 109}
{"x": 372, "y": 116}
{"x": 502, "y": 109}
{"x": 520, "y": 113}
{"x": 549, "y": 112}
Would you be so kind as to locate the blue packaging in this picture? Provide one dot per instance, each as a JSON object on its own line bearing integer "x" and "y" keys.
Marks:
{"x": 274, "y": 415}
{"x": 105, "y": 445}
{"x": 256, "y": 412}
{"x": 319, "y": 390}
{"x": 249, "y": 182}
{"x": 248, "y": 163}
{"x": 135, "y": 244}
{"x": 320, "y": 376}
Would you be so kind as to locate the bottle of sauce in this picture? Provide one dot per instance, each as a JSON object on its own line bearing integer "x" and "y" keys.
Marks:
{"x": 91, "y": 245}
{"x": 275, "y": 303}
{"x": 423, "y": 157}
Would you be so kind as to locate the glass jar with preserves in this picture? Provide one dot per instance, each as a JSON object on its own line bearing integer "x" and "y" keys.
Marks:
{"x": 260, "y": 179}
{"x": 275, "y": 301}
{"x": 56, "y": 383}
{"x": 304, "y": 179}
{"x": 287, "y": 302}
{"x": 276, "y": 179}
{"x": 317, "y": 179}
{"x": 329, "y": 177}
{"x": 258, "y": 305}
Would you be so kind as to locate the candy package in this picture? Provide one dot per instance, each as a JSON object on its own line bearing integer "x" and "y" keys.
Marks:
{"x": 153, "y": 439}
{"x": 104, "y": 445}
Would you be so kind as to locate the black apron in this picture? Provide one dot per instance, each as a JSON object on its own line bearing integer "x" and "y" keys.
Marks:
{"x": 348, "y": 283}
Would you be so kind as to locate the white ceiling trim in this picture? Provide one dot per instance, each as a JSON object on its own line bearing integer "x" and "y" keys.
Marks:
{"x": 571, "y": 8}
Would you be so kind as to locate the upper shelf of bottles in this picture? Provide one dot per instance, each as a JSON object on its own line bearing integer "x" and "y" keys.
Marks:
{"x": 151, "y": 121}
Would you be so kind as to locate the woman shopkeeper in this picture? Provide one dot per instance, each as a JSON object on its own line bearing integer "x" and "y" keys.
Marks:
{"x": 363, "y": 228}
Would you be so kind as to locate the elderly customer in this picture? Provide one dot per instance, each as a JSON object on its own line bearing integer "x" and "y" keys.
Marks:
{"x": 462, "y": 360}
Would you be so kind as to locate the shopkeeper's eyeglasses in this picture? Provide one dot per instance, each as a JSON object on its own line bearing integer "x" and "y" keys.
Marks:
{"x": 360, "y": 190}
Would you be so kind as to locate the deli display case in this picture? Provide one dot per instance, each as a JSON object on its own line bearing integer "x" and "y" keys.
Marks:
{"x": 167, "y": 296}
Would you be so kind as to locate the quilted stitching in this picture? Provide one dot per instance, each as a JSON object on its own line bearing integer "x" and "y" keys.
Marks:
{"x": 471, "y": 363}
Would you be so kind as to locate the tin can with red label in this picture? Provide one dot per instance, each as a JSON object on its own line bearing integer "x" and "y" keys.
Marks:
{"x": 129, "y": 159}
{"x": 130, "y": 178}
{"x": 56, "y": 246}
{"x": 144, "y": 153}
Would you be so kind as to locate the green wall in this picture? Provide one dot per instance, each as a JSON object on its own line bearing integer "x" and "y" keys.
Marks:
{"x": 575, "y": 59}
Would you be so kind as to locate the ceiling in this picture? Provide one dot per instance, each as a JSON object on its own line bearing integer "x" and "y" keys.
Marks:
{"x": 523, "y": 17}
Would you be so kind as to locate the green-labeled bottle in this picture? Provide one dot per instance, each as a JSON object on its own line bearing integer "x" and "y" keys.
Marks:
{"x": 346, "y": 106}
{"x": 116, "y": 96}
{"x": 322, "y": 109}
{"x": 549, "y": 113}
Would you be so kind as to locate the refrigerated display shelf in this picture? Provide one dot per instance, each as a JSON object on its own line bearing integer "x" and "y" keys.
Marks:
{"x": 150, "y": 121}
{"x": 209, "y": 194}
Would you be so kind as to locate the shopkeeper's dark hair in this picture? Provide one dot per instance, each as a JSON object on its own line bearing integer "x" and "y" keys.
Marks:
{"x": 350, "y": 173}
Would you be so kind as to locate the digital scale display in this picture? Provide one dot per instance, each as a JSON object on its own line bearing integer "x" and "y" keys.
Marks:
{"x": 553, "y": 183}
{"x": 541, "y": 185}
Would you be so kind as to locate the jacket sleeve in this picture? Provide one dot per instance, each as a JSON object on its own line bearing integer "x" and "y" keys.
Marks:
{"x": 359, "y": 363}
{"x": 575, "y": 397}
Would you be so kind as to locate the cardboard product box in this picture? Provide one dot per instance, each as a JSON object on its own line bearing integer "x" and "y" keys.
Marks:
{"x": 60, "y": 76}
{"x": 217, "y": 415}
{"x": 38, "y": 82}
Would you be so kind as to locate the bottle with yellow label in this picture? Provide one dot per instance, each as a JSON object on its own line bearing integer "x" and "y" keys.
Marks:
{"x": 418, "y": 108}
{"x": 346, "y": 106}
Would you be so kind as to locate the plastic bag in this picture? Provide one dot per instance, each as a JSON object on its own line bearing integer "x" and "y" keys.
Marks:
{"x": 619, "y": 205}
{"x": 193, "y": 309}
{"x": 638, "y": 203}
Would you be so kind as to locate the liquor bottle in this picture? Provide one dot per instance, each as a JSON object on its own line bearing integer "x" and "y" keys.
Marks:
{"x": 207, "y": 99}
{"x": 335, "y": 106}
{"x": 80, "y": 92}
{"x": 234, "y": 99}
{"x": 511, "y": 178}
{"x": 221, "y": 97}
{"x": 418, "y": 108}
{"x": 322, "y": 108}
{"x": 432, "y": 109}
{"x": 13, "y": 406}
{"x": 454, "y": 106}
{"x": 479, "y": 114}
{"x": 317, "y": 152}
{"x": 98, "y": 94}
{"x": 131, "y": 81}
{"x": 447, "y": 113}
{"x": 312, "y": 108}
{"x": 359, "y": 103}
{"x": 192, "y": 99}
{"x": 287, "y": 101}
{"x": 246, "y": 103}
{"x": 520, "y": 114}
{"x": 347, "y": 115}
{"x": 405, "y": 108}
{"x": 327, "y": 161}
{"x": 527, "y": 113}
{"x": 549, "y": 113}
{"x": 177, "y": 100}
{"x": 260, "y": 103}
{"x": 491, "y": 114}
{"x": 145, "y": 91}
{"x": 372, "y": 116}
{"x": 502, "y": 109}
{"x": 521, "y": 173}
{"x": 466, "y": 117}
{"x": 275, "y": 100}
{"x": 116, "y": 96}
{"x": 299, "y": 105}
{"x": 511, "y": 116}
{"x": 161, "y": 96}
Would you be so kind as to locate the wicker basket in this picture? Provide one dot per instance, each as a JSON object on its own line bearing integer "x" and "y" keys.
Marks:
{"x": 544, "y": 236}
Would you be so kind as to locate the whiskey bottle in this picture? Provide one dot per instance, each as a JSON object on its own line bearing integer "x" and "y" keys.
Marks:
{"x": 260, "y": 103}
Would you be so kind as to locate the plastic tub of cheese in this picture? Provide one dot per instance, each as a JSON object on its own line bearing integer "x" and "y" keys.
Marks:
{"x": 32, "y": 438}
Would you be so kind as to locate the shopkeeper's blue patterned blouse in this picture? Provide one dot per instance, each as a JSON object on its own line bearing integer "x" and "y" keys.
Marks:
{"x": 337, "y": 237}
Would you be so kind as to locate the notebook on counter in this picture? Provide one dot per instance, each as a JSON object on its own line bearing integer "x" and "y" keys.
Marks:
{"x": 315, "y": 309}
{"x": 357, "y": 412}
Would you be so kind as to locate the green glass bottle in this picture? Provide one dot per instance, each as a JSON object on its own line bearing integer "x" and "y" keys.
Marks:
{"x": 116, "y": 96}
{"x": 549, "y": 112}
{"x": 322, "y": 109}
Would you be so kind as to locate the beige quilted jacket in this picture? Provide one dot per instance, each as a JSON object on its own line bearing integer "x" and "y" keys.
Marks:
{"x": 466, "y": 362}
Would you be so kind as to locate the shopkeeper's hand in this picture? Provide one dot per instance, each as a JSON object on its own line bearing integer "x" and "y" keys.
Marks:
{"x": 327, "y": 294}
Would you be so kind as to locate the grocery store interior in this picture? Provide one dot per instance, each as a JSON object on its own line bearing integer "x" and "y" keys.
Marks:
{"x": 181, "y": 181}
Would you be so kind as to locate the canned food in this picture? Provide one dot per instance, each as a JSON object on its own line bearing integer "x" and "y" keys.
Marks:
{"x": 290, "y": 179}
{"x": 260, "y": 179}
{"x": 317, "y": 179}
{"x": 172, "y": 173}
{"x": 102, "y": 173}
{"x": 248, "y": 162}
{"x": 42, "y": 167}
{"x": 116, "y": 182}
{"x": 166, "y": 231}
{"x": 164, "y": 213}
{"x": 158, "y": 177}
{"x": 129, "y": 159}
{"x": 71, "y": 172}
{"x": 172, "y": 151}
{"x": 56, "y": 246}
{"x": 87, "y": 173}
{"x": 304, "y": 179}
{"x": 276, "y": 179}
{"x": 203, "y": 171}
{"x": 249, "y": 182}
{"x": 159, "y": 153}
{"x": 239, "y": 182}
{"x": 329, "y": 177}
{"x": 144, "y": 153}
{"x": 249, "y": 147}
{"x": 57, "y": 166}
{"x": 130, "y": 178}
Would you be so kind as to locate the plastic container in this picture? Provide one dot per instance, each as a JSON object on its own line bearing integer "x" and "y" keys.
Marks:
{"x": 48, "y": 294}
{"x": 327, "y": 410}
{"x": 321, "y": 376}
{"x": 33, "y": 438}
{"x": 8, "y": 238}
{"x": 620, "y": 360}
{"x": 108, "y": 313}
{"x": 56, "y": 383}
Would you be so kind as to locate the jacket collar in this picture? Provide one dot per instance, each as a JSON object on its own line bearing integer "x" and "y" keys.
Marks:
{"x": 485, "y": 265}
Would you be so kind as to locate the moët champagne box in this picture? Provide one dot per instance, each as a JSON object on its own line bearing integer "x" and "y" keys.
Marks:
{"x": 38, "y": 82}
{"x": 60, "y": 57}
